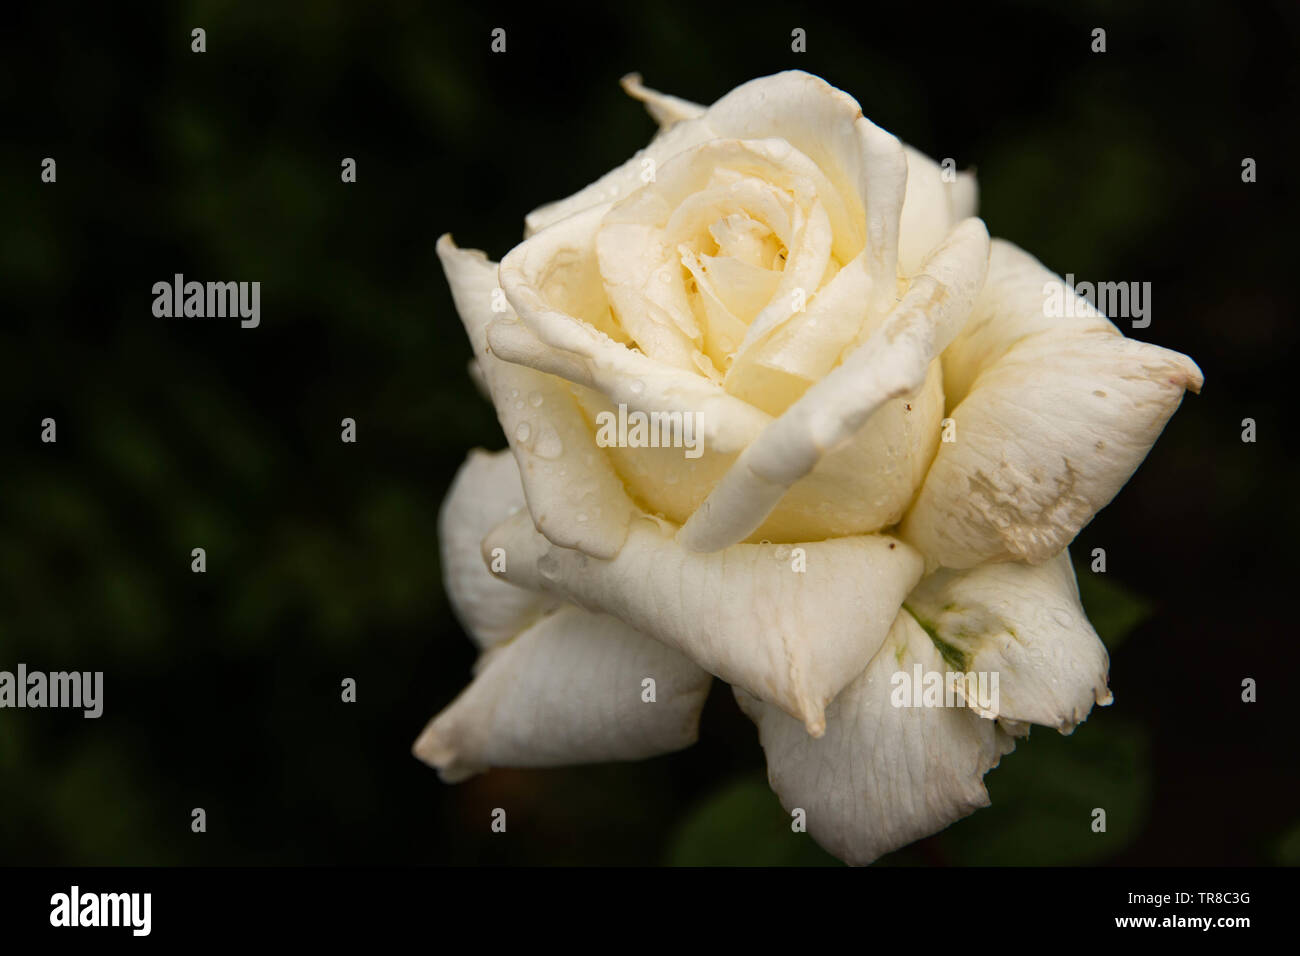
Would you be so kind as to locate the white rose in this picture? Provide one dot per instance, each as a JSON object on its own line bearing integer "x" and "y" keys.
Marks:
{"x": 815, "y": 294}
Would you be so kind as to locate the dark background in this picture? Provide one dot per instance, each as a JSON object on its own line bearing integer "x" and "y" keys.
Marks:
{"x": 223, "y": 690}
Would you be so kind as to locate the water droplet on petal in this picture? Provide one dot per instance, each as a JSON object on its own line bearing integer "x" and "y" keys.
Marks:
{"x": 548, "y": 444}
{"x": 548, "y": 566}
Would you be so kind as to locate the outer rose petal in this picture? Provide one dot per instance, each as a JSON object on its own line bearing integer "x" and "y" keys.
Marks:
{"x": 665, "y": 109}
{"x": 1009, "y": 308}
{"x": 562, "y": 472}
{"x": 1024, "y": 623}
{"x": 484, "y": 493}
{"x": 744, "y": 614}
{"x": 930, "y": 208}
{"x": 893, "y": 362}
{"x": 1058, "y": 417}
{"x": 882, "y": 776}
{"x": 568, "y": 691}
{"x": 965, "y": 196}
{"x": 625, "y": 179}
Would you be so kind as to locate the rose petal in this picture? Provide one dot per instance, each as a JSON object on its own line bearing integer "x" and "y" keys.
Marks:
{"x": 964, "y": 195}
{"x": 622, "y": 180}
{"x": 590, "y": 358}
{"x": 775, "y": 372}
{"x": 745, "y": 614}
{"x": 665, "y": 109}
{"x": 930, "y": 208}
{"x": 882, "y": 776}
{"x": 1025, "y": 624}
{"x": 561, "y": 470}
{"x": 1053, "y": 425}
{"x": 863, "y": 163}
{"x": 484, "y": 493}
{"x": 568, "y": 691}
{"x": 643, "y": 281}
{"x": 1009, "y": 308}
{"x": 892, "y": 363}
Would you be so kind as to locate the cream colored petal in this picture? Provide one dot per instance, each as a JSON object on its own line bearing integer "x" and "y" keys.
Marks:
{"x": 891, "y": 364}
{"x": 882, "y": 776}
{"x": 747, "y": 614}
{"x": 776, "y": 372}
{"x": 810, "y": 260}
{"x": 569, "y": 690}
{"x": 572, "y": 347}
{"x": 964, "y": 195}
{"x": 867, "y": 482}
{"x": 643, "y": 282}
{"x": 476, "y": 376}
{"x": 484, "y": 493}
{"x": 1043, "y": 441}
{"x": 556, "y": 451}
{"x": 1024, "y": 623}
{"x": 763, "y": 175}
{"x": 1059, "y": 415}
{"x": 862, "y": 486}
{"x": 1010, "y": 307}
{"x": 866, "y": 165}
{"x": 624, "y": 179}
{"x": 665, "y": 109}
{"x": 927, "y": 211}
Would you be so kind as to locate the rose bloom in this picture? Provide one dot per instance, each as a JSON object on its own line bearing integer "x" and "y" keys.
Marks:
{"x": 897, "y": 444}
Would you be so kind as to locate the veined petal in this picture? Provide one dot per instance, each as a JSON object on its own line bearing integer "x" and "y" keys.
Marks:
{"x": 1024, "y": 623}
{"x": 569, "y": 690}
{"x": 747, "y": 614}
{"x": 1058, "y": 417}
{"x": 484, "y": 493}
{"x": 892, "y": 363}
{"x": 556, "y": 451}
{"x": 882, "y": 776}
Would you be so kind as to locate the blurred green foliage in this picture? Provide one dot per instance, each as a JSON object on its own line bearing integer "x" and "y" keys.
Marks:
{"x": 1113, "y": 608}
{"x": 743, "y": 825}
